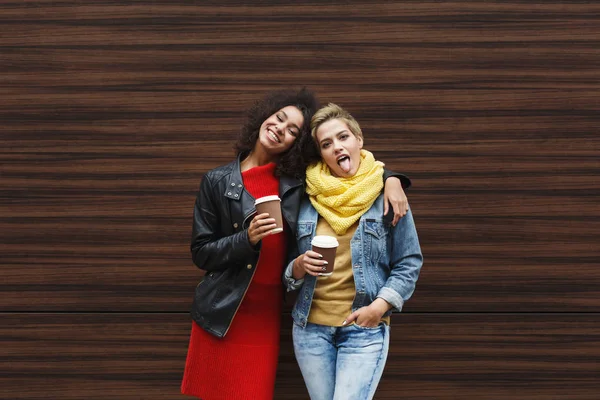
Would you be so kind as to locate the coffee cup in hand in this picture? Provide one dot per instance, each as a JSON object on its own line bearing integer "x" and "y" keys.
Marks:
{"x": 272, "y": 206}
{"x": 327, "y": 247}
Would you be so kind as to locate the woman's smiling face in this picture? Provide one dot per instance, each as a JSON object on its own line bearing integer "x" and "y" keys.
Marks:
{"x": 278, "y": 132}
{"x": 339, "y": 147}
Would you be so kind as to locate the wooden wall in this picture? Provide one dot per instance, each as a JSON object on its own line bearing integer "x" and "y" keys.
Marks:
{"x": 111, "y": 111}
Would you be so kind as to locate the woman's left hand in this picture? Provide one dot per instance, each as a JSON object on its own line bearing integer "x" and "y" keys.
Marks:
{"x": 394, "y": 194}
{"x": 369, "y": 316}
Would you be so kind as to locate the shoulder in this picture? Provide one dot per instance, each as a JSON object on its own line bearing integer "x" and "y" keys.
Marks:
{"x": 216, "y": 175}
{"x": 305, "y": 202}
{"x": 378, "y": 203}
{"x": 375, "y": 212}
{"x": 307, "y": 211}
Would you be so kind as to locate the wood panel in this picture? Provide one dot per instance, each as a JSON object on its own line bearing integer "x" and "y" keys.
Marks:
{"x": 111, "y": 112}
{"x": 433, "y": 356}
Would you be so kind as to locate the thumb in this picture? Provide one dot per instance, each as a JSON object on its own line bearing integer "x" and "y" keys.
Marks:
{"x": 385, "y": 206}
{"x": 350, "y": 318}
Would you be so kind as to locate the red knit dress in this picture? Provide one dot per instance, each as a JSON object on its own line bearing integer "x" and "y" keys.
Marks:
{"x": 242, "y": 365}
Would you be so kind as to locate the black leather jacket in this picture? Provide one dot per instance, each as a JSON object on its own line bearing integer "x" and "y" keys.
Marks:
{"x": 220, "y": 244}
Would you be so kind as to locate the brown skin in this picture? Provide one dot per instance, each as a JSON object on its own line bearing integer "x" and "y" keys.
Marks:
{"x": 277, "y": 135}
{"x": 260, "y": 227}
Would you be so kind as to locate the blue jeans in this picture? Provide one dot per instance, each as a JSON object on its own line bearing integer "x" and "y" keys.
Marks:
{"x": 341, "y": 363}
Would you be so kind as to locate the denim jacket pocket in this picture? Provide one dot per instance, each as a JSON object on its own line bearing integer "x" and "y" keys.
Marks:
{"x": 375, "y": 228}
{"x": 375, "y": 244}
{"x": 304, "y": 229}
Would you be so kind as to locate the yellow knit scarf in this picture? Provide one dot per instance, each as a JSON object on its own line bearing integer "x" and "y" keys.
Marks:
{"x": 342, "y": 201}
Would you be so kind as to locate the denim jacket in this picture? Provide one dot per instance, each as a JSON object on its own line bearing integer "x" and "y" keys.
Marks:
{"x": 386, "y": 260}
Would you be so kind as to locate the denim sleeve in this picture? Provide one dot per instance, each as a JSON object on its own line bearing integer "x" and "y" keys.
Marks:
{"x": 289, "y": 281}
{"x": 405, "y": 263}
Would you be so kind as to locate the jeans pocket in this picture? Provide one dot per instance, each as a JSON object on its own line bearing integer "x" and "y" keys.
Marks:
{"x": 369, "y": 328}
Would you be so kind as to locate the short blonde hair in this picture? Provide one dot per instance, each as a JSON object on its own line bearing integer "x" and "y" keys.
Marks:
{"x": 333, "y": 111}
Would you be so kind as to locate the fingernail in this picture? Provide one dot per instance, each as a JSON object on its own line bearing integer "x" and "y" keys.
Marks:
{"x": 325, "y": 263}
{"x": 344, "y": 323}
{"x": 324, "y": 269}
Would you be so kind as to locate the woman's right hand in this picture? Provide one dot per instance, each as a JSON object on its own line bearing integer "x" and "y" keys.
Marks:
{"x": 310, "y": 262}
{"x": 260, "y": 226}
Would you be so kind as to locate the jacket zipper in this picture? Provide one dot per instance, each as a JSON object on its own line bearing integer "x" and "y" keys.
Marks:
{"x": 243, "y": 296}
{"x": 249, "y": 283}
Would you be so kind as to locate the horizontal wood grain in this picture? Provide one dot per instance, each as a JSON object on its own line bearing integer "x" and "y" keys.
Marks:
{"x": 432, "y": 356}
{"x": 504, "y": 263}
{"x": 112, "y": 112}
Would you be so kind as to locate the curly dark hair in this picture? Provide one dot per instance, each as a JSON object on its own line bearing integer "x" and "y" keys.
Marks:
{"x": 294, "y": 161}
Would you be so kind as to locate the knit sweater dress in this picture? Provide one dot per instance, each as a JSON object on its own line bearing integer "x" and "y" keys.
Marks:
{"x": 243, "y": 364}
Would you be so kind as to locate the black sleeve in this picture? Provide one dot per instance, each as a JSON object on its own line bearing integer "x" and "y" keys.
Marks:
{"x": 404, "y": 180}
{"x": 211, "y": 251}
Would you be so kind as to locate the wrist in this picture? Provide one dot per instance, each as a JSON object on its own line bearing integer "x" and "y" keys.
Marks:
{"x": 297, "y": 272}
{"x": 250, "y": 239}
{"x": 380, "y": 305}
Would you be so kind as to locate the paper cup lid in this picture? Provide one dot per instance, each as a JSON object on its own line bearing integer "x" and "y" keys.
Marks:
{"x": 266, "y": 198}
{"x": 324, "y": 241}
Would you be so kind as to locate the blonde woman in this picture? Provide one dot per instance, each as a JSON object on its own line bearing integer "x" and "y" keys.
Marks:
{"x": 342, "y": 321}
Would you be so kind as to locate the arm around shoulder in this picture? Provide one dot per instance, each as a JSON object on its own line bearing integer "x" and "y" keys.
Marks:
{"x": 404, "y": 180}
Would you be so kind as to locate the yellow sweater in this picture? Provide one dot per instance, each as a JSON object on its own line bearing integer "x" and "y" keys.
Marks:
{"x": 334, "y": 294}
